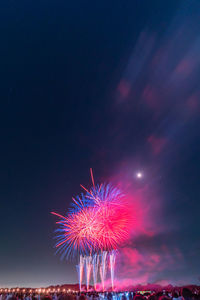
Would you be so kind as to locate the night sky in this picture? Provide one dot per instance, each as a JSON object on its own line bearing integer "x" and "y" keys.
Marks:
{"x": 112, "y": 85}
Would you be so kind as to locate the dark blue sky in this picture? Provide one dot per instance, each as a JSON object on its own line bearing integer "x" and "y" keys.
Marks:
{"x": 112, "y": 85}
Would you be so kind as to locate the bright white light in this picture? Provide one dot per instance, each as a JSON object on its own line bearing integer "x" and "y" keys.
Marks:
{"x": 139, "y": 175}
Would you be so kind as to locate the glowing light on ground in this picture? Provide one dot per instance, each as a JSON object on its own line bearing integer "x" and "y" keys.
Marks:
{"x": 112, "y": 267}
{"x": 103, "y": 269}
{"x": 95, "y": 265}
{"x": 80, "y": 268}
{"x": 88, "y": 268}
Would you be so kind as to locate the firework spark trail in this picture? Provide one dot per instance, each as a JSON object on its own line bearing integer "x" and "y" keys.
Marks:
{"x": 88, "y": 268}
{"x": 95, "y": 265}
{"x": 76, "y": 233}
{"x": 80, "y": 268}
{"x": 103, "y": 268}
{"x": 112, "y": 266}
{"x": 112, "y": 216}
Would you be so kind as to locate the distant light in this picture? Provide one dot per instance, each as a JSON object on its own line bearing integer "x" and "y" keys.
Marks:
{"x": 139, "y": 175}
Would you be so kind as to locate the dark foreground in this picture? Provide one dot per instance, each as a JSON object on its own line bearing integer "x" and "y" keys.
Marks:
{"x": 175, "y": 293}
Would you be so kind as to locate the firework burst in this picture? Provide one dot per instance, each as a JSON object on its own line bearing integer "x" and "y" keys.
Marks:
{"x": 97, "y": 221}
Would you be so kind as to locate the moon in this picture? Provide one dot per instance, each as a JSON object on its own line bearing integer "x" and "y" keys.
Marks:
{"x": 139, "y": 175}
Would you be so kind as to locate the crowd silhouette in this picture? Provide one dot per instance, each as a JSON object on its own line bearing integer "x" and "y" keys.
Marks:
{"x": 174, "y": 294}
